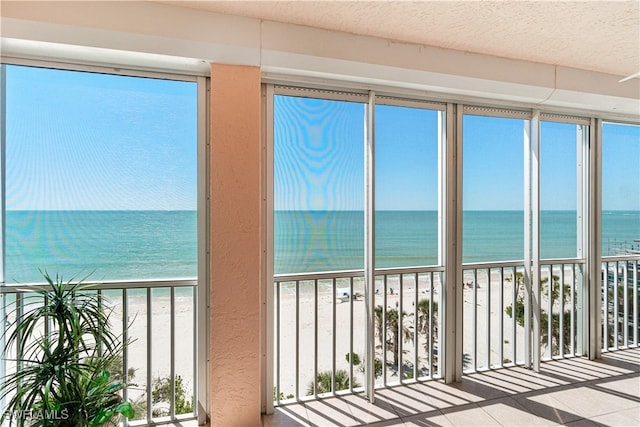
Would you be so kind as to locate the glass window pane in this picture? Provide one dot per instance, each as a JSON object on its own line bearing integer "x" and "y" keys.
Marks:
{"x": 406, "y": 187}
{"x": 493, "y": 195}
{"x": 318, "y": 185}
{"x": 620, "y": 189}
{"x": 558, "y": 190}
{"x": 100, "y": 176}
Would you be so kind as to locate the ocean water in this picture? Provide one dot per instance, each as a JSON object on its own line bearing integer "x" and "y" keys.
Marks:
{"x": 107, "y": 245}
{"x": 334, "y": 240}
{"x": 128, "y": 245}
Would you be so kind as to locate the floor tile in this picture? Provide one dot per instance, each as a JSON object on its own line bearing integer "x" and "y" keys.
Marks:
{"x": 472, "y": 388}
{"x": 506, "y": 386}
{"x": 508, "y": 412}
{"x": 433, "y": 418}
{"x": 469, "y": 415}
{"x": 544, "y": 406}
{"x": 287, "y": 416}
{"x": 329, "y": 412}
{"x": 406, "y": 400}
{"x": 388, "y": 423}
{"x": 443, "y": 395}
{"x": 569, "y": 393}
{"x": 584, "y": 423}
{"x": 587, "y": 402}
{"x": 365, "y": 412}
{"x": 628, "y": 386}
{"x": 630, "y": 417}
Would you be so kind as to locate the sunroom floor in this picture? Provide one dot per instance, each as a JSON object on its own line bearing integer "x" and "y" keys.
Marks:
{"x": 571, "y": 392}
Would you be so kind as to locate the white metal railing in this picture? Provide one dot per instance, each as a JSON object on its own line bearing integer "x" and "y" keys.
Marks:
{"x": 319, "y": 334}
{"x": 562, "y": 304}
{"x": 160, "y": 363}
{"x": 319, "y": 326}
{"x": 494, "y": 312}
{"x": 620, "y": 301}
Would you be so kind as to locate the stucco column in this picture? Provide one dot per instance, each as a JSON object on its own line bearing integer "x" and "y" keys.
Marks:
{"x": 235, "y": 246}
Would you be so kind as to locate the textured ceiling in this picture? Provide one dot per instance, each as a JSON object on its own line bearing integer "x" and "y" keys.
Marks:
{"x": 593, "y": 35}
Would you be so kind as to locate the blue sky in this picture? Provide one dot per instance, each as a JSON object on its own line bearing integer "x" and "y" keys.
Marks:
{"x": 406, "y": 158}
{"x": 80, "y": 141}
{"x": 319, "y": 160}
{"x": 91, "y": 141}
{"x": 621, "y": 167}
{"x": 492, "y": 163}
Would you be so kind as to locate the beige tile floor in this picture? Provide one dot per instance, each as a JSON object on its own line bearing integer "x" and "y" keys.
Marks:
{"x": 571, "y": 392}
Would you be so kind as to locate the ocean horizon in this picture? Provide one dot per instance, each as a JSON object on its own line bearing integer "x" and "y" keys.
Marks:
{"x": 104, "y": 245}
{"x": 139, "y": 245}
{"x": 307, "y": 241}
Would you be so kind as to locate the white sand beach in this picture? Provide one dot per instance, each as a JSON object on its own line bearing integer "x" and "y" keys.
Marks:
{"x": 343, "y": 340}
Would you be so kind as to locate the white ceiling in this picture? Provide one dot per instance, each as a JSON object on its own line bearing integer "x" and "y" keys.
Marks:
{"x": 591, "y": 35}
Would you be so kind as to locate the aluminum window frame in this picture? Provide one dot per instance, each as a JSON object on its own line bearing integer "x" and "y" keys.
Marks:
{"x": 202, "y": 407}
{"x": 453, "y": 109}
{"x": 369, "y": 99}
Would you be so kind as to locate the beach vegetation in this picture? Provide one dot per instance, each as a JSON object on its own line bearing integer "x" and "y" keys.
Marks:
{"x": 392, "y": 335}
{"x": 283, "y": 396}
{"x": 353, "y": 358}
{"x": 553, "y": 341}
{"x": 64, "y": 349}
{"x": 323, "y": 383}
{"x": 377, "y": 364}
{"x": 161, "y": 395}
{"x": 428, "y": 326}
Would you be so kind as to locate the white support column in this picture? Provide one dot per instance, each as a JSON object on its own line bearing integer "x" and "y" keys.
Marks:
{"x": 527, "y": 243}
{"x": 3, "y": 140}
{"x": 451, "y": 207}
{"x": 457, "y": 240}
{"x": 3, "y": 297}
{"x": 581, "y": 186}
{"x": 267, "y": 251}
{"x": 369, "y": 246}
{"x": 582, "y": 232}
{"x": 535, "y": 240}
{"x": 594, "y": 243}
{"x": 444, "y": 121}
{"x": 202, "y": 290}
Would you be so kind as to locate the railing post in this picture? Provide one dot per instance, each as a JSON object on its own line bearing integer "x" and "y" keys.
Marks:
{"x": 592, "y": 315}
{"x": 3, "y": 113}
{"x": 369, "y": 247}
{"x": 450, "y": 198}
{"x": 3, "y": 319}
{"x": 582, "y": 231}
{"x": 635, "y": 282}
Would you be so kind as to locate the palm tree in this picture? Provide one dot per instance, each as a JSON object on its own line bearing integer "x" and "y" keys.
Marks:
{"x": 518, "y": 312}
{"x": 428, "y": 311}
{"x": 392, "y": 337}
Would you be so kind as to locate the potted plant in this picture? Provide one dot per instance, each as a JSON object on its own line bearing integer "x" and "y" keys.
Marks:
{"x": 63, "y": 377}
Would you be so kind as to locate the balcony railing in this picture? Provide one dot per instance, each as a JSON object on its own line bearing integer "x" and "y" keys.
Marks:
{"x": 562, "y": 305}
{"x": 320, "y": 321}
{"x": 494, "y": 312}
{"x": 620, "y": 301}
{"x": 320, "y": 330}
{"x": 492, "y": 297}
{"x": 159, "y": 365}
